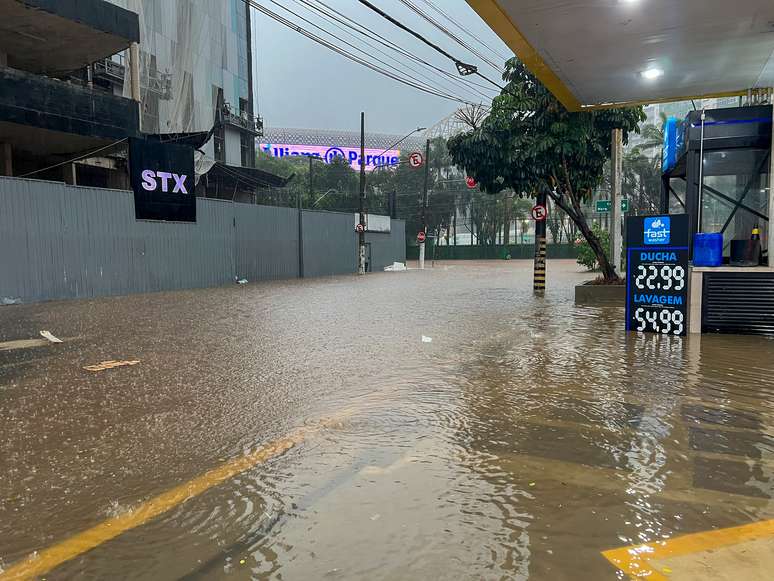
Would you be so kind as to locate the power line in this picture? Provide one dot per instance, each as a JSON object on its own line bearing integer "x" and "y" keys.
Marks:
{"x": 349, "y": 44}
{"x": 463, "y": 68}
{"x": 293, "y": 26}
{"x": 338, "y": 17}
{"x": 414, "y": 8}
{"x": 465, "y": 30}
{"x": 334, "y": 21}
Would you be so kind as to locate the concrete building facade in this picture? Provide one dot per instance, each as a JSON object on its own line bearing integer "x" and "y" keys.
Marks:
{"x": 79, "y": 77}
{"x": 46, "y": 114}
{"x": 195, "y": 73}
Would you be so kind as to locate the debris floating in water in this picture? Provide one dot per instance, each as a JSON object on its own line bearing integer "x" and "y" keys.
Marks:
{"x": 9, "y": 301}
{"x": 109, "y": 365}
{"x": 50, "y": 337}
{"x": 426, "y": 339}
{"x": 395, "y": 267}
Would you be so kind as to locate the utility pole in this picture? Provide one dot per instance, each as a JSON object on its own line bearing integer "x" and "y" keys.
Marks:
{"x": 539, "y": 277}
{"x": 361, "y": 234}
{"x": 424, "y": 206}
{"x": 301, "y": 224}
{"x": 616, "y": 167}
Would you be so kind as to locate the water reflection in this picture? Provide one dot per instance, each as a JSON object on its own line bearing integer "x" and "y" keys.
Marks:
{"x": 526, "y": 438}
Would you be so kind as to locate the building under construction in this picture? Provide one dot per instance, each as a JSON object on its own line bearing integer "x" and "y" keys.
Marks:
{"x": 78, "y": 78}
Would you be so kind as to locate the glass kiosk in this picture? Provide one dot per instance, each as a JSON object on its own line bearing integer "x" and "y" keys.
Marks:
{"x": 728, "y": 152}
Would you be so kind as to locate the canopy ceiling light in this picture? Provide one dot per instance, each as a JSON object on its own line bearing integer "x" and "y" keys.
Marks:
{"x": 586, "y": 51}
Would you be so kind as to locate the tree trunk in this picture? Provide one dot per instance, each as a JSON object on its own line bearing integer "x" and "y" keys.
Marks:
{"x": 578, "y": 217}
{"x": 507, "y": 238}
{"x": 604, "y": 263}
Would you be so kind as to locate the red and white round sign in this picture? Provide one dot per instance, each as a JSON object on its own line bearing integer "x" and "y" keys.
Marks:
{"x": 416, "y": 160}
{"x": 539, "y": 213}
{"x": 359, "y": 228}
{"x": 470, "y": 182}
{"x": 420, "y": 236}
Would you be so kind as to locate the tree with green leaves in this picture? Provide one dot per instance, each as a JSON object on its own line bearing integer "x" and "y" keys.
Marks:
{"x": 334, "y": 186}
{"x": 530, "y": 144}
{"x": 444, "y": 187}
{"x": 641, "y": 179}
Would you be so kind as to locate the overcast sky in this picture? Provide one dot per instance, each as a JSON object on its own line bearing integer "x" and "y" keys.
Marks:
{"x": 305, "y": 85}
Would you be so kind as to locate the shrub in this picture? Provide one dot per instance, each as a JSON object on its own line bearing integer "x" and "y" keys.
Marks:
{"x": 586, "y": 256}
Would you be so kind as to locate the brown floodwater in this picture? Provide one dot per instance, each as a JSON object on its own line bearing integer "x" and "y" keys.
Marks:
{"x": 529, "y": 436}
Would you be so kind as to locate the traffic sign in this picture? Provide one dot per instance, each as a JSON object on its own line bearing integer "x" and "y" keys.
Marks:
{"x": 603, "y": 206}
{"x": 359, "y": 228}
{"x": 416, "y": 160}
{"x": 539, "y": 213}
{"x": 420, "y": 236}
{"x": 470, "y": 182}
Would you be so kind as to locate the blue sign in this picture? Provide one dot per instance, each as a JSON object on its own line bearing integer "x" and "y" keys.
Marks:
{"x": 657, "y": 274}
{"x": 657, "y": 230}
{"x": 669, "y": 153}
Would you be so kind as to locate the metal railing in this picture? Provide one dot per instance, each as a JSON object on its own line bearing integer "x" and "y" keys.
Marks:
{"x": 242, "y": 120}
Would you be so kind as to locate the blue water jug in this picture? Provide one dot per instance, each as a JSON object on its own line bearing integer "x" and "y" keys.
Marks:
{"x": 708, "y": 249}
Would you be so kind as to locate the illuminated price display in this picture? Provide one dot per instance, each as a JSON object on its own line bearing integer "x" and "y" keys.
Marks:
{"x": 657, "y": 274}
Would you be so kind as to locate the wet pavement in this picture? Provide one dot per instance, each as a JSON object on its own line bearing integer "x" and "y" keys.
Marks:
{"x": 526, "y": 439}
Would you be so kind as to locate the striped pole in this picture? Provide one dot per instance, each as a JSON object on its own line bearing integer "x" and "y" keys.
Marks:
{"x": 539, "y": 278}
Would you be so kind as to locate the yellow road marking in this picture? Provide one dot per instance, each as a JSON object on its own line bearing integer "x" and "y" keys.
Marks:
{"x": 40, "y": 563}
{"x": 635, "y": 559}
{"x": 23, "y": 344}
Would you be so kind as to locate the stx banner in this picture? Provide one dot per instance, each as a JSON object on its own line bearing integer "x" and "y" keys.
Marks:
{"x": 163, "y": 181}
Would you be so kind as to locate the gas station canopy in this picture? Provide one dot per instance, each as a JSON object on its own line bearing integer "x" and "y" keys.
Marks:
{"x": 593, "y": 53}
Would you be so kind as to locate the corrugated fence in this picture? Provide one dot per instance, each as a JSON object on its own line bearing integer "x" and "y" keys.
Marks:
{"x": 59, "y": 241}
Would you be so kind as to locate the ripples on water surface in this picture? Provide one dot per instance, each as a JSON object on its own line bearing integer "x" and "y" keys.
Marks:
{"x": 526, "y": 438}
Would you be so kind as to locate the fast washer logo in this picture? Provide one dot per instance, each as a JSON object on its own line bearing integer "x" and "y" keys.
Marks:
{"x": 657, "y": 230}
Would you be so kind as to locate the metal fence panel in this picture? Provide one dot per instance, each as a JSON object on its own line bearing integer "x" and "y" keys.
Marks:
{"x": 59, "y": 241}
{"x": 388, "y": 248}
{"x": 267, "y": 242}
{"x": 330, "y": 243}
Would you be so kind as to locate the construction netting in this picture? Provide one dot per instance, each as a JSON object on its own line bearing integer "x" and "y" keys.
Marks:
{"x": 193, "y": 59}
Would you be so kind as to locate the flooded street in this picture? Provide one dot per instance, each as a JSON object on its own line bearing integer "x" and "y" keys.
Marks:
{"x": 526, "y": 439}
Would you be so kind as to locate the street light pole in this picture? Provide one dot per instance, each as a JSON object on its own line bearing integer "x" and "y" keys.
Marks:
{"x": 301, "y": 224}
{"x": 424, "y": 206}
{"x": 392, "y": 198}
{"x": 361, "y": 235}
{"x": 402, "y": 139}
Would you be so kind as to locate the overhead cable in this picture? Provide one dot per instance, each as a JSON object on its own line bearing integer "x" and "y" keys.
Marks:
{"x": 462, "y": 28}
{"x": 349, "y": 44}
{"x": 462, "y": 67}
{"x": 322, "y": 41}
{"x": 417, "y": 10}
{"x": 339, "y": 17}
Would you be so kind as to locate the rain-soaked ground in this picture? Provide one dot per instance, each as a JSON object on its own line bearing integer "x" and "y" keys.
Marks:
{"x": 529, "y": 436}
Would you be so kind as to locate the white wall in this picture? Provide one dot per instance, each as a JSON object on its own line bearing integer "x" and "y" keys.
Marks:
{"x": 233, "y": 149}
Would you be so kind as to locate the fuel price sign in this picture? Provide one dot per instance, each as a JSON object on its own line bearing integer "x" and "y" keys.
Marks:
{"x": 657, "y": 274}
